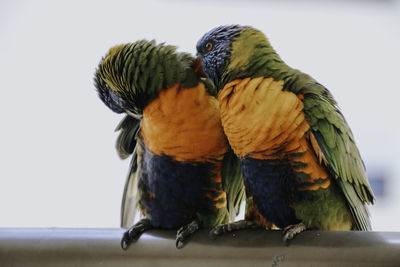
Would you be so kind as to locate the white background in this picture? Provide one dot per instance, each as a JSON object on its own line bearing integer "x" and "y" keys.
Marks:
{"x": 58, "y": 165}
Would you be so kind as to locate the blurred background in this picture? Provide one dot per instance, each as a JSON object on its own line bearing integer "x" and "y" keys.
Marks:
{"x": 58, "y": 165}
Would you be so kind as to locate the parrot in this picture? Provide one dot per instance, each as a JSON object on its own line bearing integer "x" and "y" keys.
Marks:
{"x": 301, "y": 167}
{"x": 183, "y": 174}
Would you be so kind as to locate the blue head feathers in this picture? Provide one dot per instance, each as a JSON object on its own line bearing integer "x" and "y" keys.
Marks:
{"x": 214, "y": 49}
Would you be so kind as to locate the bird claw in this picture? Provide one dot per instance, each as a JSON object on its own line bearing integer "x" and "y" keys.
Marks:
{"x": 133, "y": 233}
{"x": 234, "y": 226}
{"x": 184, "y": 232}
{"x": 291, "y": 231}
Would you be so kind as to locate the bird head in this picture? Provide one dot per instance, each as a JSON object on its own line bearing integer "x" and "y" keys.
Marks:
{"x": 131, "y": 75}
{"x": 214, "y": 50}
{"x": 231, "y": 51}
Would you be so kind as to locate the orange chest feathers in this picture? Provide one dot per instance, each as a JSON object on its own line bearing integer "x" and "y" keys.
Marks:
{"x": 260, "y": 118}
{"x": 264, "y": 122}
{"x": 184, "y": 124}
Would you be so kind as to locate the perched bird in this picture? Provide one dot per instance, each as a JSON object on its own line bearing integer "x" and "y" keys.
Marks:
{"x": 183, "y": 173}
{"x": 300, "y": 163}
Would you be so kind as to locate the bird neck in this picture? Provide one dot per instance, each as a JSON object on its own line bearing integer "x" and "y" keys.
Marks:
{"x": 253, "y": 56}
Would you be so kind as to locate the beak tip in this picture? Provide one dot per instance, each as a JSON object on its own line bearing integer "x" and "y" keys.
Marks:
{"x": 198, "y": 67}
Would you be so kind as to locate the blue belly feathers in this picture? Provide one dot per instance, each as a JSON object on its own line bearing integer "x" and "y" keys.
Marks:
{"x": 172, "y": 192}
{"x": 271, "y": 184}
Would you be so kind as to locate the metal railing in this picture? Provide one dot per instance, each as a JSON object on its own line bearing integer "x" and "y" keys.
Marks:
{"x": 101, "y": 247}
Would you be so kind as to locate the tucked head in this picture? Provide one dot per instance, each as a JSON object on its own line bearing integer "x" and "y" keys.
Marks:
{"x": 228, "y": 52}
{"x": 131, "y": 75}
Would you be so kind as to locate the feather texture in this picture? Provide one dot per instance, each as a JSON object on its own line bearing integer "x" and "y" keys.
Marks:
{"x": 182, "y": 168}
{"x": 293, "y": 118}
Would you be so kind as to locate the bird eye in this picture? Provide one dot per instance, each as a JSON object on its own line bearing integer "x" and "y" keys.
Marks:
{"x": 209, "y": 46}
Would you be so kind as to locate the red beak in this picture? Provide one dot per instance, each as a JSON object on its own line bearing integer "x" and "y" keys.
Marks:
{"x": 198, "y": 68}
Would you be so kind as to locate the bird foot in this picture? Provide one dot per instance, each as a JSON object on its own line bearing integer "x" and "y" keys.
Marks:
{"x": 133, "y": 234}
{"x": 291, "y": 231}
{"x": 234, "y": 226}
{"x": 185, "y": 232}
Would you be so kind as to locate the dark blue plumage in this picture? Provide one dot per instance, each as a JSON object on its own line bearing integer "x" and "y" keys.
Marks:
{"x": 172, "y": 192}
{"x": 271, "y": 183}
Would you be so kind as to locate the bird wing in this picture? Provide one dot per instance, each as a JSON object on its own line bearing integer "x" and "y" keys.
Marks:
{"x": 233, "y": 183}
{"x": 334, "y": 145}
{"x": 127, "y": 146}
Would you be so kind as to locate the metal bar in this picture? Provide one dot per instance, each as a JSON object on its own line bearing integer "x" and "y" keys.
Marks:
{"x": 101, "y": 247}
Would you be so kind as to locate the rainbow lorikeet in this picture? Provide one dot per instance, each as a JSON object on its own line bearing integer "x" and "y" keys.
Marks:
{"x": 183, "y": 173}
{"x": 300, "y": 163}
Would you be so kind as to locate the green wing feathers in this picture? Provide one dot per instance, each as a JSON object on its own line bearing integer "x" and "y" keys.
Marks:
{"x": 337, "y": 143}
{"x": 233, "y": 184}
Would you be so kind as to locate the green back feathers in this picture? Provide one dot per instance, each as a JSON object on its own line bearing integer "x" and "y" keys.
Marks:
{"x": 135, "y": 72}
